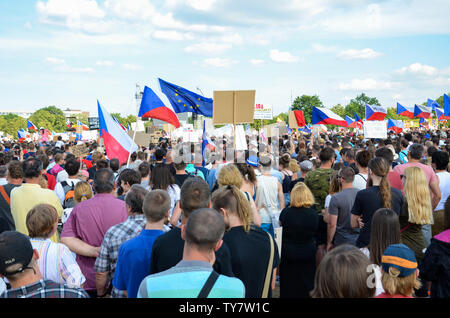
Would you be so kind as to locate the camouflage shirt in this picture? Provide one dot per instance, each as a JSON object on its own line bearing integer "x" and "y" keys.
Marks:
{"x": 318, "y": 181}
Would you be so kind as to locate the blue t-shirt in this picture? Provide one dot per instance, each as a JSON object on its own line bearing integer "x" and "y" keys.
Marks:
{"x": 133, "y": 263}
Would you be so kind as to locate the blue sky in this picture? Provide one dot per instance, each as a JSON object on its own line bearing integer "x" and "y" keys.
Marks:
{"x": 69, "y": 53}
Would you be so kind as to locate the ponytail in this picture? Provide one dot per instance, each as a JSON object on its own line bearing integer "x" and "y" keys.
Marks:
{"x": 380, "y": 167}
{"x": 385, "y": 190}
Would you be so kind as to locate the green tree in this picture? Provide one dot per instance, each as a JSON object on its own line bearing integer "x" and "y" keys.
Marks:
{"x": 358, "y": 105}
{"x": 305, "y": 103}
{"x": 392, "y": 113}
{"x": 83, "y": 118}
{"x": 339, "y": 110}
{"x": 51, "y": 118}
{"x": 10, "y": 123}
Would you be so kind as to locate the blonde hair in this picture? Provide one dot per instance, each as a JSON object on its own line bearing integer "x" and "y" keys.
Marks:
{"x": 82, "y": 191}
{"x": 394, "y": 285}
{"x": 301, "y": 196}
{"x": 230, "y": 175}
{"x": 293, "y": 166}
{"x": 234, "y": 201}
{"x": 418, "y": 197}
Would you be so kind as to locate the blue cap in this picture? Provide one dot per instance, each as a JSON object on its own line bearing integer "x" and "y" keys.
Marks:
{"x": 253, "y": 161}
{"x": 427, "y": 136}
{"x": 401, "y": 257}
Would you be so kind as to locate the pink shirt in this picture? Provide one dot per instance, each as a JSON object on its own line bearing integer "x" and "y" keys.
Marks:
{"x": 394, "y": 180}
{"x": 429, "y": 172}
{"x": 89, "y": 222}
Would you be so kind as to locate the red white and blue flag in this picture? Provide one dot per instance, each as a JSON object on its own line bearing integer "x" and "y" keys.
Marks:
{"x": 375, "y": 112}
{"x": 153, "y": 107}
{"x": 433, "y": 104}
{"x": 440, "y": 114}
{"x": 325, "y": 116}
{"x": 395, "y": 125}
{"x": 83, "y": 126}
{"x": 423, "y": 122}
{"x": 31, "y": 126}
{"x": 117, "y": 142}
{"x": 421, "y": 111}
{"x": 446, "y": 105}
{"x": 206, "y": 144}
{"x": 405, "y": 111}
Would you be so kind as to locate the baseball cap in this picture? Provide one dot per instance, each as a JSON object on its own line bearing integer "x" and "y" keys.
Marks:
{"x": 15, "y": 248}
{"x": 306, "y": 165}
{"x": 401, "y": 257}
{"x": 253, "y": 161}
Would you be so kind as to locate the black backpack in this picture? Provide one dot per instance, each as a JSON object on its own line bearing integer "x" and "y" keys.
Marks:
{"x": 69, "y": 195}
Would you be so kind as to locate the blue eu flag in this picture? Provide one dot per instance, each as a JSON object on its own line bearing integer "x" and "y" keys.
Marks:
{"x": 183, "y": 100}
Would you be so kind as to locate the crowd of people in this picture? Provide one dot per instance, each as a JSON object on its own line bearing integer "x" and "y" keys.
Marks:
{"x": 322, "y": 215}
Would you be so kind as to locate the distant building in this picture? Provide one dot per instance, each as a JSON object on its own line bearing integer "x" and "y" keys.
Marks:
{"x": 27, "y": 113}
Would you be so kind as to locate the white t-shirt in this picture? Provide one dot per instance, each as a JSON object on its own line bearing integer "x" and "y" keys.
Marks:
{"x": 360, "y": 181}
{"x": 376, "y": 271}
{"x": 266, "y": 197}
{"x": 444, "y": 185}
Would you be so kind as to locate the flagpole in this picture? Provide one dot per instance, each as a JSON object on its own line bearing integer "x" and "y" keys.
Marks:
{"x": 138, "y": 96}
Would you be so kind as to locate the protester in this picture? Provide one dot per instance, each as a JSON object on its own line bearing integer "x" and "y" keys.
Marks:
{"x": 18, "y": 263}
{"x": 15, "y": 179}
{"x": 399, "y": 272}
{"x": 288, "y": 176}
{"x": 126, "y": 179}
{"x": 144, "y": 171}
{"x": 163, "y": 179}
{"x": 362, "y": 160}
{"x": 190, "y": 277}
{"x": 51, "y": 179}
{"x": 339, "y": 226}
{"x": 65, "y": 190}
{"x": 133, "y": 260}
{"x": 88, "y": 223}
{"x": 343, "y": 274}
{"x": 393, "y": 176}
{"x": 82, "y": 191}
{"x": 105, "y": 264}
{"x": 378, "y": 195}
{"x": 168, "y": 248}
{"x": 384, "y": 231}
{"x": 249, "y": 245}
{"x": 300, "y": 223}
{"x": 416, "y": 210}
{"x": 56, "y": 262}
{"x": 435, "y": 265}
{"x": 440, "y": 161}
{"x": 30, "y": 194}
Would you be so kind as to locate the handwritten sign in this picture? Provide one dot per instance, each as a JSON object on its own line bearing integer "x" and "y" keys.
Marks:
{"x": 375, "y": 129}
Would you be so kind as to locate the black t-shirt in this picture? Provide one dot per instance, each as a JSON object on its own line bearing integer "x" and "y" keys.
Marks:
{"x": 367, "y": 202}
{"x": 168, "y": 251}
{"x": 171, "y": 167}
{"x": 6, "y": 218}
{"x": 250, "y": 254}
{"x": 300, "y": 225}
{"x": 180, "y": 178}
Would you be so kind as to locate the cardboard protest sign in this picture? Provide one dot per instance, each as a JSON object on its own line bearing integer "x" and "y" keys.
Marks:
{"x": 233, "y": 107}
{"x": 141, "y": 138}
{"x": 375, "y": 129}
{"x": 80, "y": 150}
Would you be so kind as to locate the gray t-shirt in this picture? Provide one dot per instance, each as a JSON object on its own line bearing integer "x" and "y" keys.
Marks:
{"x": 341, "y": 204}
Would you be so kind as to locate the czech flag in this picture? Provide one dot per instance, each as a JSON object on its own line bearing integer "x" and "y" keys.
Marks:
{"x": 153, "y": 107}
{"x": 22, "y": 136}
{"x": 117, "y": 142}
{"x": 446, "y": 105}
{"x": 351, "y": 123}
{"x": 206, "y": 143}
{"x": 421, "y": 111}
{"x": 405, "y": 111}
{"x": 375, "y": 112}
{"x": 440, "y": 114}
{"x": 433, "y": 104}
{"x": 31, "y": 126}
{"x": 300, "y": 118}
{"x": 325, "y": 116}
{"x": 83, "y": 126}
{"x": 423, "y": 121}
{"x": 395, "y": 125}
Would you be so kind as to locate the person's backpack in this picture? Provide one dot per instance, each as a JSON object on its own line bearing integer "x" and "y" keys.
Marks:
{"x": 69, "y": 195}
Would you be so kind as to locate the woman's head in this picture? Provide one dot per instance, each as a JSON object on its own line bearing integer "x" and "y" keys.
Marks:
{"x": 284, "y": 161}
{"x": 384, "y": 231}
{"x": 231, "y": 200}
{"x": 362, "y": 158}
{"x": 417, "y": 193}
{"x": 343, "y": 273}
{"x": 301, "y": 196}
{"x": 161, "y": 177}
{"x": 246, "y": 171}
{"x": 379, "y": 168}
{"x": 230, "y": 175}
{"x": 82, "y": 191}
{"x": 335, "y": 185}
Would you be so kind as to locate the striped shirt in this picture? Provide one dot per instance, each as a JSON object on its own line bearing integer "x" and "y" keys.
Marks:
{"x": 186, "y": 279}
{"x": 57, "y": 263}
{"x": 45, "y": 289}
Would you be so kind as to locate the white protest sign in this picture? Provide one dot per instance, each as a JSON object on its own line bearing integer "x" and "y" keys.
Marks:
{"x": 263, "y": 112}
{"x": 241, "y": 141}
{"x": 375, "y": 129}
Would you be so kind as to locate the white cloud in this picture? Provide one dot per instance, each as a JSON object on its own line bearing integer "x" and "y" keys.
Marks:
{"x": 218, "y": 62}
{"x": 367, "y": 84}
{"x": 358, "y": 54}
{"x": 208, "y": 48}
{"x": 132, "y": 67}
{"x": 60, "y": 65}
{"x": 323, "y": 48}
{"x": 256, "y": 62}
{"x": 417, "y": 68}
{"x": 104, "y": 63}
{"x": 136, "y": 9}
{"x": 282, "y": 57}
{"x": 171, "y": 35}
{"x": 201, "y": 5}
